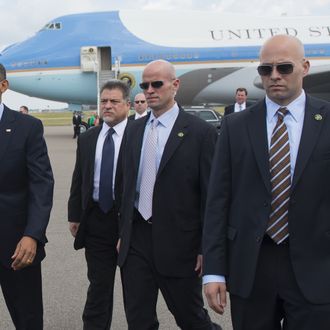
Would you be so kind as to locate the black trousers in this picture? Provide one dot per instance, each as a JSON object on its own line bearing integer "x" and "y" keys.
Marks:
{"x": 141, "y": 283}
{"x": 101, "y": 235}
{"x": 22, "y": 290}
{"x": 276, "y": 301}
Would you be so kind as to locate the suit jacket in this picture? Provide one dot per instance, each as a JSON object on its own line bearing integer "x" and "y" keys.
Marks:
{"x": 26, "y": 184}
{"x": 239, "y": 202}
{"x": 82, "y": 184}
{"x": 76, "y": 120}
{"x": 231, "y": 108}
{"x": 131, "y": 117}
{"x": 179, "y": 192}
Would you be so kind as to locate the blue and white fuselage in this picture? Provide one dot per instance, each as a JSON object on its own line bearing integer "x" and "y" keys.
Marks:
{"x": 213, "y": 53}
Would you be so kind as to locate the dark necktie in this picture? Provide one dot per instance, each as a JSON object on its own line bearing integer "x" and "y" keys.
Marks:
{"x": 279, "y": 163}
{"x": 106, "y": 173}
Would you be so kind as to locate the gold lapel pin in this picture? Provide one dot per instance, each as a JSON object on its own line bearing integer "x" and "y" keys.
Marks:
{"x": 180, "y": 134}
{"x": 8, "y": 130}
{"x": 318, "y": 117}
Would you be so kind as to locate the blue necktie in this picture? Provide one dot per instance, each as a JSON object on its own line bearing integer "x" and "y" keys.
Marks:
{"x": 106, "y": 173}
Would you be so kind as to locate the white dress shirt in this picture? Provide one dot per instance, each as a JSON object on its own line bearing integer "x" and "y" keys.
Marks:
{"x": 164, "y": 128}
{"x": 117, "y": 138}
{"x": 137, "y": 115}
{"x": 239, "y": 107}
{"x": 1, "y": 110}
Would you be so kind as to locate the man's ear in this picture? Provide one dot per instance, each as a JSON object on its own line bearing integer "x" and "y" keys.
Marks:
{"x": 4, "y": 84}
{"x": 306, "y": 66}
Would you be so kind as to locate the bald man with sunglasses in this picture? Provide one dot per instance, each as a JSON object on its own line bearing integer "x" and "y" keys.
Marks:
{"x": 140, "y": 107}
{"x": 267, "y": 230}
{"x": 166, "y": 160}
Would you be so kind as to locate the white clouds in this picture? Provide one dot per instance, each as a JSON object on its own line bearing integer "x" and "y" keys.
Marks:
{"x": 167, "y": 4}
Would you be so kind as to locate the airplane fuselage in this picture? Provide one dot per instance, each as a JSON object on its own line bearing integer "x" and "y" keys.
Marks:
{"x": 213, "y": 53}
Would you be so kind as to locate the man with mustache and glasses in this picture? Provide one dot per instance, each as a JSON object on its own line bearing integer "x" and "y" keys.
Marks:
{"x": 166, "y": 164}
{"x": 140, "y": 107}
{"x": 267, "y": 231}
{"x": 94, "y": 202}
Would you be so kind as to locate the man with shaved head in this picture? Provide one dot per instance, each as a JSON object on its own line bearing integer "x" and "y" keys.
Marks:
{"x": 166, "y": 160}
{"x": 140, "y": 107}
{"x": 267, "y": 230}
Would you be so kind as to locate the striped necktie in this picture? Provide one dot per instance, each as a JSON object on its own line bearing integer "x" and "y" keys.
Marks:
{"x": 149, "y": 171}
{"x": 279, "y": 163}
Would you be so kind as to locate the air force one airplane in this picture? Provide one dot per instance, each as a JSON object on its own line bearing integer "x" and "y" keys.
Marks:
{"x": 214, "y": 53}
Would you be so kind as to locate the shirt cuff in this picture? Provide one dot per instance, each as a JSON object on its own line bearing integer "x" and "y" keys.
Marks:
{"x": 213, "y": 278}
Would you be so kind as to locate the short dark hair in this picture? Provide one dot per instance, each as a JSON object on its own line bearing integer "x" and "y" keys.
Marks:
{"x": 24, "y": 107}
{"x": 2, "y": 72}
{"x": 242, "y": 89}
{"x": 117, "y": 84}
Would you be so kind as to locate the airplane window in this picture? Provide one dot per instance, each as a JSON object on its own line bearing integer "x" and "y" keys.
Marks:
{"x": 52, "y": 26}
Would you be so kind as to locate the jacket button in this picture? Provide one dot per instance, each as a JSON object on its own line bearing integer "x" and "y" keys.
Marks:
{"x": 265, "y": 204}
{"x": 258, "y": 239}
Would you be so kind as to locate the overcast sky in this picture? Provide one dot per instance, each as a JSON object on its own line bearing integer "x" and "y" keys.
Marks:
{"x": 22, "y": 18}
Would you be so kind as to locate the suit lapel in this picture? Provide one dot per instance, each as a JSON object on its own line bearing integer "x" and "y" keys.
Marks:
{"x": 310, "y": 133}
{"x": 257, "y": 128}
{"x": 6, "y": 130}
{"x": 177, "y": 135}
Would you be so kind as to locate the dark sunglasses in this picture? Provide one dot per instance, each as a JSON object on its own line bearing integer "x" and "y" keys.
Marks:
{"x": 154, "y": 84}
{"x": 267, "y": 69}
{"x": 140, "y": 101}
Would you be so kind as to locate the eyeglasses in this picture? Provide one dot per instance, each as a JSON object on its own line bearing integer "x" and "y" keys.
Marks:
{"x": 154, "y": 84}
{"x": 267, "y": 69}
{"x": 140, "y": 101}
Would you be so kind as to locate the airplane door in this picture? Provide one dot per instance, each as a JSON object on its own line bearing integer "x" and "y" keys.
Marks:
{"x": 105, "y": 58}
{"x": 94, "y": 59}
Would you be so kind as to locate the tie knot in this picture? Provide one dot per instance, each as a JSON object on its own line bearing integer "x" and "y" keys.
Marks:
{"x": 154, "y": 123}
{"x": 111, "y": 131}
{"x": 282, "y": 111}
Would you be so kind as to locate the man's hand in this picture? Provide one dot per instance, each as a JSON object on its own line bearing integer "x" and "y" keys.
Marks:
{"x": 24, "y": 253}
{"x": 199, "y": 264}
{"x": 216, "y": 296}
{"x": 74, "y": 226}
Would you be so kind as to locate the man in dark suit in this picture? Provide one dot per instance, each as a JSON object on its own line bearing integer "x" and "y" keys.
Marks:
{"x": 241, "y": 102}
{"x": 161, "y": 214}
{"x": 94, "y": 202}
{"x": 266, "y": 234}
{"x": 140, "y": 107}
{"x": 76, "y": 122}
{"x": 26, "y": 196}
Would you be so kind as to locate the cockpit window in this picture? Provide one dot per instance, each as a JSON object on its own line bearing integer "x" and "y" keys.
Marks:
{"x": 52, "y": 26}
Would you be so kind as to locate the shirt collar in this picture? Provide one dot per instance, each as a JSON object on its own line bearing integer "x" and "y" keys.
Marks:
{"x": 296, "y": 108}
{"x": 167, "y": 118}
{"x": 119, "y": 128}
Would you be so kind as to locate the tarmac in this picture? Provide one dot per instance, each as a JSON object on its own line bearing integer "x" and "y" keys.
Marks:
{"x": 64, "y": 269}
